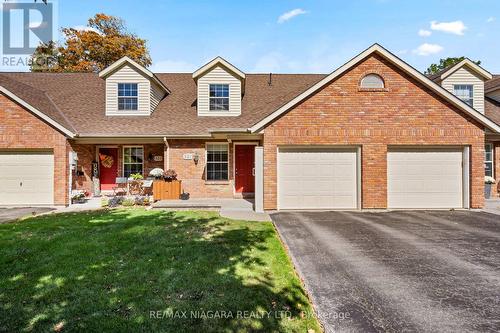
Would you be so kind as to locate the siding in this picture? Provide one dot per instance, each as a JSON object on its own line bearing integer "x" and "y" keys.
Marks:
{"x": 127, "y": 74}
{"x": 219, "y": 75}
{"x": 157, "y": 95}
{"x": 495, "y": 95}
{"x": 465, "y": 76}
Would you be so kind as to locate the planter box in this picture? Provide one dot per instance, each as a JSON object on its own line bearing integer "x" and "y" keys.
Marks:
{"x": 164, "y": 190}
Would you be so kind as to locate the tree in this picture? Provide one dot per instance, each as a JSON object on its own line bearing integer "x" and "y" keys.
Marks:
{"x": 443, "y": 63}
{"x": 104, "y": 41}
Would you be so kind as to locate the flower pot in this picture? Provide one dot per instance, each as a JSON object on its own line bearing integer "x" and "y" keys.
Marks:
{"x": 487, "y": 191}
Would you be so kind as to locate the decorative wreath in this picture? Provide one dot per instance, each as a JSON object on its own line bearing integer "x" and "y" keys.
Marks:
{"x": 106, "y": 160}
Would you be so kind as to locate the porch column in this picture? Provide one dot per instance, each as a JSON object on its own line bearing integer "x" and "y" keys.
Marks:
{"x": 259, "y": 179}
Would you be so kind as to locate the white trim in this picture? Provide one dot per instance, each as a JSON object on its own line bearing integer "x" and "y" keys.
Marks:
{"x": 36, "y": 112}
{"x": 241, "y": 143}
{"x": 218, "y": 61}
{"x": 126, "y": 60}
{"x": 398, "y": 62}
{"x": 207, "y": 143}
{"x": 123, "y": 157}
{"x": 466, "y": 177}
{"x": 492, "y": 158}
{"x": 467, "y": 62}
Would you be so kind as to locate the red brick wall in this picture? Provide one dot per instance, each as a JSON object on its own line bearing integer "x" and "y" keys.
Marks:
{"x": 20, "y": 129}
{"x": 193, "y": 175}
{"x": 405, "y": 113}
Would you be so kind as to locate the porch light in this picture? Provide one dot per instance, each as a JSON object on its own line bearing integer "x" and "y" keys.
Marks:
{"x": 196, "y": 158}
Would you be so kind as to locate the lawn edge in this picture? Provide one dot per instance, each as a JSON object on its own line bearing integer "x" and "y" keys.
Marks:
{"x": 297, "y": 273}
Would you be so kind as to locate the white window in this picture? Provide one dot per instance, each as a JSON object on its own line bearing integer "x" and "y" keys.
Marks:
{"x": 465, "y": 92}
{"x": 133, "y": 160}
{"x": 488, "y": 160}
{"x": 127, "y": 96}
{"x": 372, "y": 81}
{"x": 219, "y": 97}
{"x": 217, "y": 161}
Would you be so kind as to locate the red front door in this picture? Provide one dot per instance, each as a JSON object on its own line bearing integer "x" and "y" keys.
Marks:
{"x": 244, "y": 168}
{"x": 108, "y": 167}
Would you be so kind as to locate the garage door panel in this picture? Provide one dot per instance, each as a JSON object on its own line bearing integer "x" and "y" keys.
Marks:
{"x": 317, "y": 179}
{"x": 27, "y": 178}
{"x": 425, "y": 178}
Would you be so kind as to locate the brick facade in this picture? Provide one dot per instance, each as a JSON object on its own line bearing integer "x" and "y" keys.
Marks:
{"x": 192, "y": 174}
{"x": 21, "y": 130}
{"x": 404, "y": 113}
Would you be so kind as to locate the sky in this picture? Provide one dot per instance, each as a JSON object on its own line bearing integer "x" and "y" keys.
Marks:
{"x": 283, "y": 36}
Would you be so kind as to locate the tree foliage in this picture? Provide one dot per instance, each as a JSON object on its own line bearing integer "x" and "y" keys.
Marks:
{"x": 104, "y": 41}
{"x": 443, "y": 63}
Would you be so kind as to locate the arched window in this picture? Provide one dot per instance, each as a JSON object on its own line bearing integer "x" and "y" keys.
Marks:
{"x": 371, "y": 81}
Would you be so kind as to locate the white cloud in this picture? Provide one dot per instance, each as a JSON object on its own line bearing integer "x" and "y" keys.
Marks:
{"x": 424, "y": 33}
{"x": 428, "y": 49}
{"x": 490, "y": 19}
{"x": 455, "y": 27}
{"x": 291, "y": 14}
{"x": 85, "y": 28}
{"x": 172, "y": 66}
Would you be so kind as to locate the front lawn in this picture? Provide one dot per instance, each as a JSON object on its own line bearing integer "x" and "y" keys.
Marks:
{"x": 136, "y": 270}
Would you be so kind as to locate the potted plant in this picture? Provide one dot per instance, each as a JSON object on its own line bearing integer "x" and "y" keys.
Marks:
{"x": 488, "y": 182}
{"x": 135, "y": 184}
{"x": 157, "y": 173}
{"x": 78, "y": 197}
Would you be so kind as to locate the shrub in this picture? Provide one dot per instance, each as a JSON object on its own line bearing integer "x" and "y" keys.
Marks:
{"x": 128, "y": 202}
{"x": 115, "y": 201}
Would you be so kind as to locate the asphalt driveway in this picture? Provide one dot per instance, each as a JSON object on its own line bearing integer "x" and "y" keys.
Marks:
{"x": 433, "y": 271}
{"x": 9, "y": 214}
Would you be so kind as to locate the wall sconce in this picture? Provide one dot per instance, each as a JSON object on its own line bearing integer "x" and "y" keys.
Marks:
{"x": 196, "y": 158}
{"x": 150, "y": 157}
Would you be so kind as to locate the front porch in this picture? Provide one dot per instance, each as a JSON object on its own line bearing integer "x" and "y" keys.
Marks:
{"x": 209, "y": 169}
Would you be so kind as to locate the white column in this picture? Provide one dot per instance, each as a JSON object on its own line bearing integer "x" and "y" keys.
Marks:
{"x": 259, "y": 179}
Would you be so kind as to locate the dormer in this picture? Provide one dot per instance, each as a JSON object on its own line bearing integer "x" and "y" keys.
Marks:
{"x": 466, "y": 81}
{"x": 131, "y": 89}
{"x": 220, "y": 87}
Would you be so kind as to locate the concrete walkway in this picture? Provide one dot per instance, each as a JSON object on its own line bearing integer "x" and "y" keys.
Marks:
{"x": 238, "y": 209}
{"x": 492, "y": 206}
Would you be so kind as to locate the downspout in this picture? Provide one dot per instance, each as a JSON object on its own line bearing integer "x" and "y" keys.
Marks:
{"x": 166, "y": 154}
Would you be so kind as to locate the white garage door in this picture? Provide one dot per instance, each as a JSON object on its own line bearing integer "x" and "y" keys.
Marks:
{"x": 425, "y": 178}
{"x": 317, "y": 178}
{"x": 26, "y": 178}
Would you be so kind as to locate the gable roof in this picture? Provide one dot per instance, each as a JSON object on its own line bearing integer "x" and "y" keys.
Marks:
{"x": 376, "y": 48}
{"x": 493, "y": 84}
{"x": 81, "y": 97}
{"x": 471, "y": 65}
{"x": 37, "y": 102}
{"x": 447, "y": 71}
{"x": 141, "y": 69}
{"x": 218, "y": 61}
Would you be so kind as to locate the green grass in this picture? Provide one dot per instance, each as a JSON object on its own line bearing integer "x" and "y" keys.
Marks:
{"x": 107, "y": 270}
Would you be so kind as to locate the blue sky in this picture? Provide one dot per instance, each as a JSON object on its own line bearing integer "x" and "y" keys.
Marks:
{"x": 311, "y": 36}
